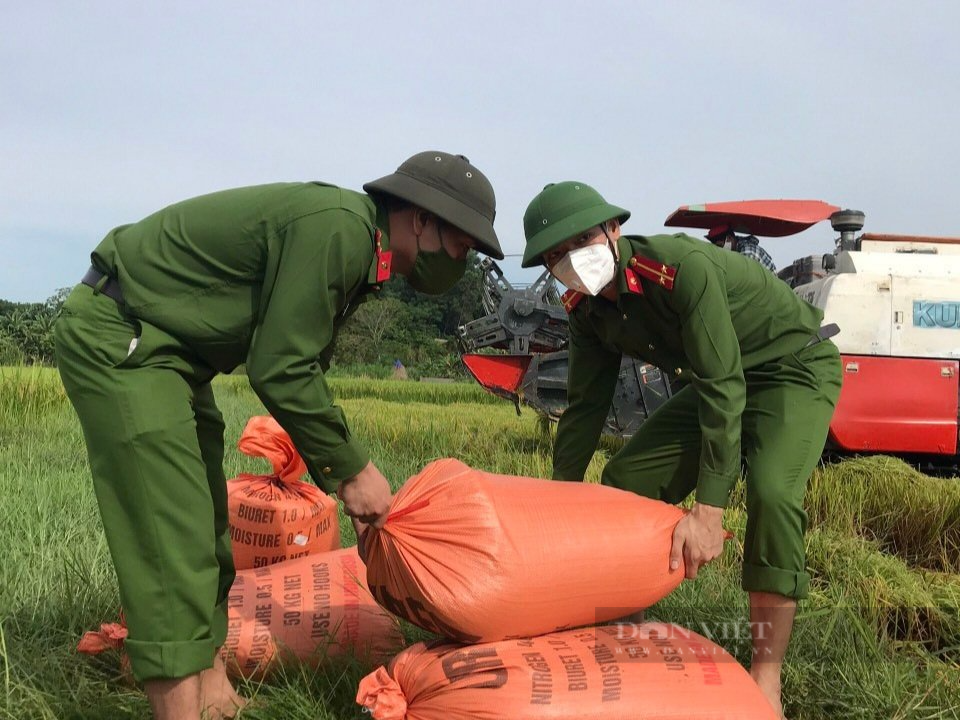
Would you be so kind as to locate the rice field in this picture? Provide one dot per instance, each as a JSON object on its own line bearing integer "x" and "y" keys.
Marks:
{"x": 879, "y": 636}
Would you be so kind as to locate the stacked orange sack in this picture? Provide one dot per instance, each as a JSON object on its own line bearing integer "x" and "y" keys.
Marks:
{"x": 646, "y": 672}
{"x": 308, "y": 609}
{"x": 305, "y": 610}
{"x": 475, "y": 556}
{"x": 277, "y": 517}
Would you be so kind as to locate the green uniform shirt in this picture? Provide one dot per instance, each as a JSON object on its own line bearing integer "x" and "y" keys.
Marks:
{"x": 724, "y": 316}
{"x": 262, "y": 275}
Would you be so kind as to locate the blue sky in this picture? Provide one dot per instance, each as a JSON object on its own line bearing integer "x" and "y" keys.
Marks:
{"x": 111, "y": 110}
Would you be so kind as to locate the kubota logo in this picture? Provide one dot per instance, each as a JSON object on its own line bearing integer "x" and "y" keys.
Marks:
{"x": 936, "y": 314}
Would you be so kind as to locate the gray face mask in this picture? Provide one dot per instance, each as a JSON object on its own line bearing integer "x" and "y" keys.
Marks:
{"x": 434, "y": 271}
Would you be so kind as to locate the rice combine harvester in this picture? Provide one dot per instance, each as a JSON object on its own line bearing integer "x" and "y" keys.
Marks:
{"x": 896, "y": 299}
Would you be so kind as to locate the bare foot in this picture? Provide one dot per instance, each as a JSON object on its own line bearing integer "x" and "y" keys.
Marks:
{"x": 769, "y": 685}
{"x": 218, "y": 699}
{"x": 174, "y": 698}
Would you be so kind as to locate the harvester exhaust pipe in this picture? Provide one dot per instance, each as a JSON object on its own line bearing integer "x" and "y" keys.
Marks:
{"x": 848, "y": 223}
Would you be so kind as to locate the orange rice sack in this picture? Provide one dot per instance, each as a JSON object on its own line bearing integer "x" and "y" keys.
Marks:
{"x": 631, "y": 672}
{"x": 301, "y": 611}
{"x": 477, "y": 557}
{"x": 305, "y": 610}
{"x": 277, "y": 517}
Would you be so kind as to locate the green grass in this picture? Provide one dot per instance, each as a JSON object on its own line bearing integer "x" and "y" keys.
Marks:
{"x": 884, "y": 499}
{"x": 878, "y": 638}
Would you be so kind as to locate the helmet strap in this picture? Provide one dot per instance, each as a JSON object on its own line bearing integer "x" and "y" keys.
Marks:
{"x": 613, "y": 245}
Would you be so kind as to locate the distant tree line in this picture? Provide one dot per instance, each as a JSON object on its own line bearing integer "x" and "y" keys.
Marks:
{"x": 417, "y": 330}
{"x": 26, "y": 330}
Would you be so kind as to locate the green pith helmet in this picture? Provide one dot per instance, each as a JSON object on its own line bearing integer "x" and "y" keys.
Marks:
{"x": 559, "y": 212}
{"x": 452, "y": 189}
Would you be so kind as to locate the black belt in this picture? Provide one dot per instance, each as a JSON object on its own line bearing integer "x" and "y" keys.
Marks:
{"x": 103, "y": 283}
{"x": 825, "y": 332}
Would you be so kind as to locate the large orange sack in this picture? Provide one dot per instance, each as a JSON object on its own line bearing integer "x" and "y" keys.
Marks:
{"x": 305, "y": 610}
{"x": 301, "y": 611}
{"x": 277, "y": 517}
{"x": 476, "y": 557}
{"x": 631, "y": 672}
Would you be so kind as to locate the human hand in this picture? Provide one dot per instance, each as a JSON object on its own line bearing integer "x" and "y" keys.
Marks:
{"x": 361, "y": 529}
{"x": 366, "y": 496}
{"x": 697, "y": 539}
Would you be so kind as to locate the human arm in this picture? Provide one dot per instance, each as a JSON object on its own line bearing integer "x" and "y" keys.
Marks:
{"x": 591, "y": 381}
{"x": 711, "y": 347}
{"x": 713, "y": 351}
{"x": 320, "y": 260}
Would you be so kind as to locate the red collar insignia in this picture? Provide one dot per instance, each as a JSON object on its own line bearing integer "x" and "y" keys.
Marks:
{"x": 633, "y": 281}
{"x": 384, "y": 259}
{"x": 570, "y": 300}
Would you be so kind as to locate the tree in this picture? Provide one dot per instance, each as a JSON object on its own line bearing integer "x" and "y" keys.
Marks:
{"x": 444, "y": 313}
{"x": 373, "y": 320}
{"x": 26, "y": 330}
{"x": 369, "y": 334}
{"x": 405, "y": 325}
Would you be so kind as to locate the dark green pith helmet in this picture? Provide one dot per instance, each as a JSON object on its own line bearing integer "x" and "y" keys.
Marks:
{"x": 452, "y": 189}
{"x": 559, "y": 212}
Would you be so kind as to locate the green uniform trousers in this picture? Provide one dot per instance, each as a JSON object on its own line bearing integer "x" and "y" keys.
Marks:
{"x": 155, "y": 442}
{"x": 784, "y": 426}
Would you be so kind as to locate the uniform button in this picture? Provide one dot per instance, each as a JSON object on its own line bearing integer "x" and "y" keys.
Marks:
{"x": 678, "y": 371}
{"x": 624, "y": 316}
{"x": 651, "y": 347}
{"x": 327, "y": 470}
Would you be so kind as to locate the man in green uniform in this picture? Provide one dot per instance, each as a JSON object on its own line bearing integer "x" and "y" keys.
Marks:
{"x": 761, "y": 382}
{"x": 258, "y": 275}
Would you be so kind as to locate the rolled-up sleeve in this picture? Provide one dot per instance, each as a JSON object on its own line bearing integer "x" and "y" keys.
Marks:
{"x": 323, "y": 259}
{"x": 713, "y": 350}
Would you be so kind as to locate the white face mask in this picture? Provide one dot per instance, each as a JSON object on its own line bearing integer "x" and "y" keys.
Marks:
{"x": 588, "y": 269}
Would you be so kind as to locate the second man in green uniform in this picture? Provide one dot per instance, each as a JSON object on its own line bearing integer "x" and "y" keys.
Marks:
{"x": 761, "y": 383}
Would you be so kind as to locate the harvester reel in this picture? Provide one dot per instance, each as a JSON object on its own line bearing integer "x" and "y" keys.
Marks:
{"x": 531, "y": 326}
{"x": 518, "y": 320}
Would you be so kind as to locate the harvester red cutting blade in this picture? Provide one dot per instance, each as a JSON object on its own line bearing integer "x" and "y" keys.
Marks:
{"x": 766, "y": 218}
{"x": 499, "y": 374}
